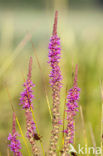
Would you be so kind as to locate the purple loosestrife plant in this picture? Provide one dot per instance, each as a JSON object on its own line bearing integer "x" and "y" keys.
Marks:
{"x": 27, "y": 105}
{"x": 14, "y": 145}
{"x": 72, "y": 108}
{"x": 55, "y": 81}
{"x": 26, "y": 102}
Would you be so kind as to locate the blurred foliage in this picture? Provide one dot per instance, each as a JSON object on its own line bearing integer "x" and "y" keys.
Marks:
{"x": 23, "y": 3}
{"x": 82, "y": 42}
{"x": 45, "y": 3}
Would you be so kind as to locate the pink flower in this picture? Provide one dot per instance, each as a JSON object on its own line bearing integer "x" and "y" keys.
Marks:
{"x": 14, "y": 145}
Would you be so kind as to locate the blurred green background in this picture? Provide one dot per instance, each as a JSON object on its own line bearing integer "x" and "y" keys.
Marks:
{"x": 80, "y": 28}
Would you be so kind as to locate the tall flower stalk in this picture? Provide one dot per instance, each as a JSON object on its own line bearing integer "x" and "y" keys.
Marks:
{"x": 26, "y": 102}
{"x": 72, "y": 108}
{"x": 14, "y": 145}
{"x": 55, "y": 81}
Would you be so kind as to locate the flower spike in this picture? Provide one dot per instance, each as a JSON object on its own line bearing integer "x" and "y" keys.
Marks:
{"x": 72, "y": 108}
{"x": 26, "y": 102}
{"x": 14, "y": 145}
{"x": 55, "y": 82}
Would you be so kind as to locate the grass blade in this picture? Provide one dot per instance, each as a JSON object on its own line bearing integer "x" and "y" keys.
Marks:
{"x": 83, "y": 126}
{"x": 22, "y": 135}
{"x": 15, "y": 54}
{"x": 47, "y": 99}
{"x": 92, "y": 137}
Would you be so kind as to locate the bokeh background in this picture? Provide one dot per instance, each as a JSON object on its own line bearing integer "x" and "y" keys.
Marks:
{"x": 80, "y": 28}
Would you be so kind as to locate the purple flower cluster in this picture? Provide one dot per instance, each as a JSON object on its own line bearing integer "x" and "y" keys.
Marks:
{"x": 15, "y": 145}
{"x": 73, "y": 97}
{"x": 72, "y": 108}
{"x": 26, "y": 95}
{"x": 26, "y": 101}
{"x": 54, "y": 58}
